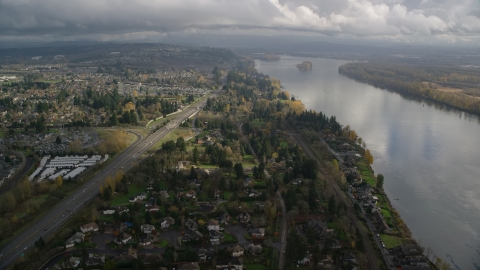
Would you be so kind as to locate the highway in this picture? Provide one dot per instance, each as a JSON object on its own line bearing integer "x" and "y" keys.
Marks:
{"x": 60, "y": 213}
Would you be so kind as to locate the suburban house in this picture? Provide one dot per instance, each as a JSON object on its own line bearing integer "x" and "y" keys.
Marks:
{"x": 89, "y": 227}
{"x": 190, "y": 236}
{"x": 305, "y": 260}
{"x": 237, "y": 251}
{"x": 147, "y": 228}
{"x": 319, "y": 228}
{"x": 233, "y": 264}
{"x": 190, "y": 194}
{"x": 141, "y": 196}
{"x": 213, "y": 225}
{"x": 206, "y": 254}
{"x": 244, "y": 217}
{"x": 95, "y": 260}
{"x": 258, "y": 206}
{"x": 254, "y": 249}
{"x": 109, "y": 211}
{"x": 206, "y": 207}
{"x": 151, "y": 258}
{"x": 132, "y": 199}
{"x": 215, "y": 237}
{"x": 191, "y": 225}
{"x": 257, "y": 232}
{"x": 147, "y": 239}
{"x": 188, "y": 266}
{"x": 224, "y": 218}
{"x": 122, "y": 209}
{"x": 164, "y": 194}
{"x": 76, "y": 238}
{"x": 348, "y": 257}
{"x": 167, "y": 222}
{"x": 123, "y": 238}
{"x": 326, "y": 262}
{"x": 153, "y": 208}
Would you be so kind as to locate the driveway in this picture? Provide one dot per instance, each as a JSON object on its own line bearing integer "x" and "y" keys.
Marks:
{"x": 238, "y": 231}
{"x": 102, "y": 239}
{"x": 171, "y": 237}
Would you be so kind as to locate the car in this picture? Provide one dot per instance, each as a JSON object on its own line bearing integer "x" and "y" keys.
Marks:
{"x": 1, "y": 255}
{"x": 45, "y": 229}
{"x": 378, "y": 235}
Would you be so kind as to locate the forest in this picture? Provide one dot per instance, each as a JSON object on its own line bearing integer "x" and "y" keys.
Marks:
{"x": 454, "y": 86}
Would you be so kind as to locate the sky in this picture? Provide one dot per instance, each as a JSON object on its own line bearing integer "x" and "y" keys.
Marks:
{"x": 404, "y": 21}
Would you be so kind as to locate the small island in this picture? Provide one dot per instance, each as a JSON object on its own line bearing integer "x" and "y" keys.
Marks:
{"x": 305, "y": 66}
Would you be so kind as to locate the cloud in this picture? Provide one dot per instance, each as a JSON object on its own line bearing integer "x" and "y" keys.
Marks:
{"x": 388, "y": 19}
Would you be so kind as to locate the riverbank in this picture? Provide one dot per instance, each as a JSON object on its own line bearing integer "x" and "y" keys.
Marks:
{"x": 415, "y": 146}
{"x": 350, "y": 169}
{"x": 419, "y": 86}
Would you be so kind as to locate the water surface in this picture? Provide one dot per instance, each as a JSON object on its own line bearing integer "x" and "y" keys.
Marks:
{"x": 429, "y": 154}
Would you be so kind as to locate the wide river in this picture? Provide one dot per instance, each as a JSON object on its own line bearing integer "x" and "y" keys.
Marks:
{"x": 429, "y": 155}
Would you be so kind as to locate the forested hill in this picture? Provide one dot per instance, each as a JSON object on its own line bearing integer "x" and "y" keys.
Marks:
{"x": 455, "y": 86}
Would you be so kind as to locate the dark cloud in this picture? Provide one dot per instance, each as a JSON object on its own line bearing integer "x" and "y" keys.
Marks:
{"x": 407, "y": 20}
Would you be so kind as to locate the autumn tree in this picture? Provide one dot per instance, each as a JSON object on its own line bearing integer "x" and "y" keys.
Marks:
{"x": 59, "y": 181}
{"x": 368, "y": 156}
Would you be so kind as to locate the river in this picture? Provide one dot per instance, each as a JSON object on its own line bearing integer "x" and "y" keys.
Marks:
{"x": 428, "y": 154}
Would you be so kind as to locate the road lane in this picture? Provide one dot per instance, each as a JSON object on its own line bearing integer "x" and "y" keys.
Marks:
{"x": 60, "y": 213}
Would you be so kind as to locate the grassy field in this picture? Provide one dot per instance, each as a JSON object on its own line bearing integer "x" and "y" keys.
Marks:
{"x": 386, "y": 213}
{"x": 391, "y": 241}
{"x": 248, "y": 159}
{"x": 173, "y": 135}
{"x": 367, "y": 174}
{"x": 122, "y": 199}
{"x": 227, "y": 194}
{"x": 162, "y": 243}
{"x": 107, "y": 218}
{"x": 257, "y": 123}
{"x": 228, "y": 238}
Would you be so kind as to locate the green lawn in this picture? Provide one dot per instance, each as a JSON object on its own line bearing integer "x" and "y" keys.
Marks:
{"x": 228, "y": 238}
{"x": 227, "y": 194}
{"x": 249, "y": 159}
{"x": 391, "y": 241}
{"x": 332, "y": 225}
{"x": 256, "y": 267}
{"x": 283, "y": 144}
{"x": 386, "y": 213}
{"x": 162, "y": 243}
{"x": 122, "y": 199}
{"x": 260, "y": 184}
{"x": 256, "y": 123}
{"x": 341, "y": 235}
{"x": 207, "y": 166}
{"x": 163, "y": 184}
{"x": 107, "y": 218}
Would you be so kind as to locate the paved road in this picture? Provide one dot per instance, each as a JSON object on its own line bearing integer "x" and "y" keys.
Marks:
{"x": 60, "y": 213}
{"x": 370, "y": 252}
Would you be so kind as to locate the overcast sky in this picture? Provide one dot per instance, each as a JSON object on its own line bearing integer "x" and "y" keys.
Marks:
{"x": 427, "y": 21}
